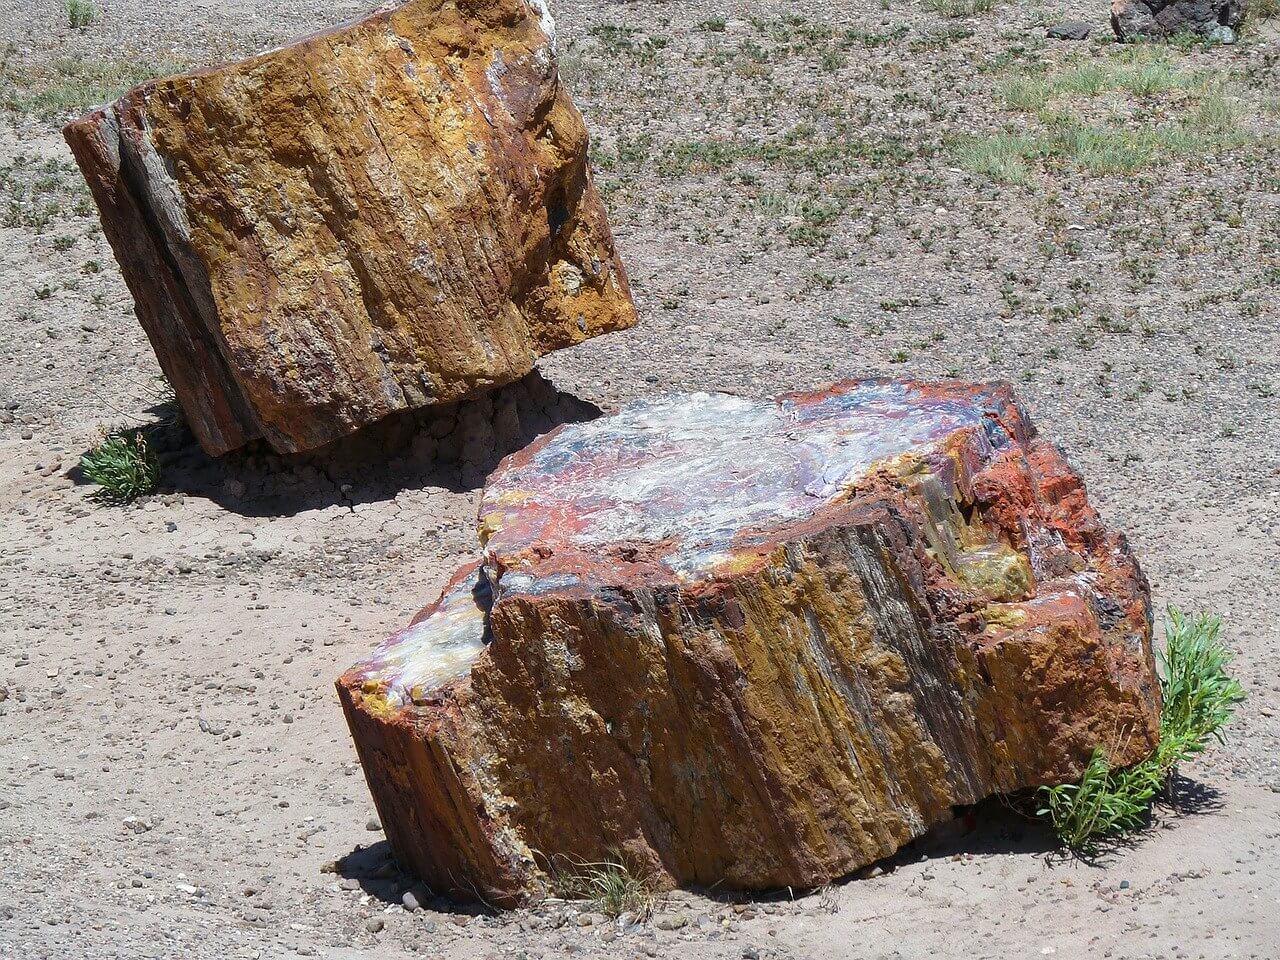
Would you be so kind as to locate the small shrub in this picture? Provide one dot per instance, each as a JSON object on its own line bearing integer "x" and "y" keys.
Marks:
{"x": 1199, "y": 699}
{"x": 123, "y": 465}
{"x": 611, "y": 888}
{"x": 81, "y": 14}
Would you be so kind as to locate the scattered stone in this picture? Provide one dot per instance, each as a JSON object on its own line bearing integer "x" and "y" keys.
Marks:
{"x": 891, "y": 591}
{"x": 375, "y": 924}
{"x": 373, "y": 826}
{"x": 1219, "y": 20}
{"x": 1070, "y": 30}
{"x": 391, "y": 215}
{"x": 415, "y": 898}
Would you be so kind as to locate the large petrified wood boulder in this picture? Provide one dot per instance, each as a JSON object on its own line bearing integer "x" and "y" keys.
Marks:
{"x": 1218, "y": 20}
{"x": 389, "y": 215}
{"x": 758, "y": 644}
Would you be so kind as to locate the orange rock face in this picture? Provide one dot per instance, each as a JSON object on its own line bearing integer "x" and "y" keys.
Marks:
{"x": 389, "y": 215}
{"x": 756, "y": 644}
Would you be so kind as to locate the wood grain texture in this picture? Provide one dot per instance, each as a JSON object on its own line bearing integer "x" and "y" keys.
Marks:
{"x": 756, "y": 644}
{"x": 388, "y": 215}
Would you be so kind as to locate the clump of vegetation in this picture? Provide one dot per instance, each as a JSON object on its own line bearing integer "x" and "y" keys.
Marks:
{"x": 610, "y": 886}
{"x": 81, "y": 14}
{"x": 1105, "y": 118}
{"x": 72, "y": 84}
{"x": 123, "y": 465}
{"x": 1199, "y": 699}
{"x": 960, "y": 8}
{"x": 1137, "y": 72}
{"x": 1104, "y": 148}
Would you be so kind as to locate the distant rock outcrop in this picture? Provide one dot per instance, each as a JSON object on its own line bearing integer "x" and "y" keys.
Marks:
{"x": 1160, "y": 19}
{"x": 392, "y": 214}
{"x": 758, "y": 644}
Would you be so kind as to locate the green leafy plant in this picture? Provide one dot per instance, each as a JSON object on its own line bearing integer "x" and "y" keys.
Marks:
{"x": 1199, "y": 699}
{"x": 123, "y": 465}
{"x": 81, "y": 14}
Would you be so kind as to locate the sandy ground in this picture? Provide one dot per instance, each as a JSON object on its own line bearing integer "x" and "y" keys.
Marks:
{"x": 175, "y": 775}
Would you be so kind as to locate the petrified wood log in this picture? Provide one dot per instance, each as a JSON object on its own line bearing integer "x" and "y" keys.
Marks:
{"x": 758, "y": 644}
{"x": 392, "y": 214}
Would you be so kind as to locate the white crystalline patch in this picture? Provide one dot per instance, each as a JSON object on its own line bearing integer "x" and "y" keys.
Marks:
{"x": 542, "y": 8}
{"x": 435, "y": 651}
{"x": 700, "y": 469}
{"x": 695, "y": 472}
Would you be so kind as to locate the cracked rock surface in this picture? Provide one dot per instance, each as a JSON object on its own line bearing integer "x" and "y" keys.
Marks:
{"x": 756, "y": 644}
{"x": 1160, "y": 19}
{"x": 388, "y": 215}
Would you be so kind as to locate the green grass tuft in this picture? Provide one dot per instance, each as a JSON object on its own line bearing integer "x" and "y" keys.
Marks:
{"x": 123, "y": 465}
{"x": 610, "y": 887}
{"x": 1000, "y": 156}
{"x": 1199, "y": 699}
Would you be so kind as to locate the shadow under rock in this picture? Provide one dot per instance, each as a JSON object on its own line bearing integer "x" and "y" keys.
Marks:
{"x": 993, "y": 826}
{"x": 454, "y": 446}
{"x": 998, "y": 825}
{"x": 376, "y": 871}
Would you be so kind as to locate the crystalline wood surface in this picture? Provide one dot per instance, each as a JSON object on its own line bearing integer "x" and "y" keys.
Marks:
{"x": 756, "y": 643}
{"x": 389, "y": 215}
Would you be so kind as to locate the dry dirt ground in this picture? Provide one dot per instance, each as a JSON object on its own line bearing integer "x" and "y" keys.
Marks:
{"x": 803, "y": 191}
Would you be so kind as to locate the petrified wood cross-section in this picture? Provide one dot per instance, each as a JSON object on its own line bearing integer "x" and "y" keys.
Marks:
{"x": 756, "y": 643}
{"x": 389, "y": 215}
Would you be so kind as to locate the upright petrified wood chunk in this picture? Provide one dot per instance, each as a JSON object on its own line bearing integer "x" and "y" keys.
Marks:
{"x": 757, "y": 644}
{"x": 392, "y": 214}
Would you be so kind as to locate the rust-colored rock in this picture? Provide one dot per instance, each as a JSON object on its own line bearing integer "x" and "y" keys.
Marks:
{"x": 389, "y": 215}
{"x": 756, "y": 644}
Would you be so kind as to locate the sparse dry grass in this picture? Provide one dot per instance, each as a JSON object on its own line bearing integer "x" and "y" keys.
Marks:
{"x": 960, "y": 8}
{"x": 1136, "y": 109}
{"x": 610, "y": 887}
{"x": 71, "y": 84}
